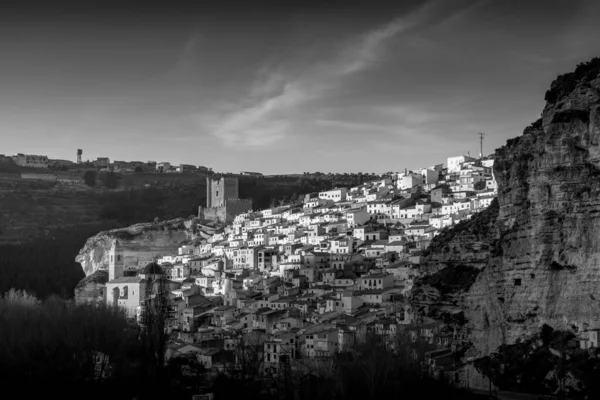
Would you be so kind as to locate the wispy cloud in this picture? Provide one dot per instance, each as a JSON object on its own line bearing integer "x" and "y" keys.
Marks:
{"x": 267, "y": 114}
{"x": 186, "y": 59}
{"x": 355, "y": 126}
{"x": 410, "y": 123}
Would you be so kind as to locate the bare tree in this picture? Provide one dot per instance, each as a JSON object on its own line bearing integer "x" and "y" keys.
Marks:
{"x": 153, "y": 323}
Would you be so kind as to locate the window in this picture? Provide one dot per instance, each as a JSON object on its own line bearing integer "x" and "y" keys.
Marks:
{"x": 517, "y": 281}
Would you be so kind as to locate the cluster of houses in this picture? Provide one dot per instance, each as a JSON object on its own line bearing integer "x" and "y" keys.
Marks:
{"x": 105, "y": 164}
{"x": 308, "y": 280}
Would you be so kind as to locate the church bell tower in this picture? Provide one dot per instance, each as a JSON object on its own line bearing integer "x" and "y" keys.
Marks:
{"x": 115, "y": 261}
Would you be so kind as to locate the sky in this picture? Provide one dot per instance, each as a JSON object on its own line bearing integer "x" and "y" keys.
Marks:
{"x": 282, "y": 86}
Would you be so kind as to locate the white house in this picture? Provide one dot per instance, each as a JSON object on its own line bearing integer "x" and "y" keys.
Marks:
{"x": 357, "y": 217}
{"x": 454, "y": 163}
{"x": 28, "y": 160}
{"x": 126, "y": 292}
{"x": 337, "y": 194}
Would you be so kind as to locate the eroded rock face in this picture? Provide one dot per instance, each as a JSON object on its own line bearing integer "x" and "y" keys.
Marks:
{"x": 545, "y": 264}
{"x": 469, "y": 243}
{"x": 92, "y": 288}
{"x": 139, "y": 243}
{"x": 549, "y": 222}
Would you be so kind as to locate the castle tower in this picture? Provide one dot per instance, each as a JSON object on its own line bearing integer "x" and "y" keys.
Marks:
{"x": 208, "y": 191}
{"x": 79, "y": 154}
{"x": 231, "y": 188}
{"x": 115, "y": 261}
{"x": 222, "y": 190}
{"x": 217, "y": 192}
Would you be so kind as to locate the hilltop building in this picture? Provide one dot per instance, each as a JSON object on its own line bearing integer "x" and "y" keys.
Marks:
{"x": 28, "y": 160}
{"x": 163, "y": 167}
{"x": 247, "y": 173}
{"x": 101, "y": 162}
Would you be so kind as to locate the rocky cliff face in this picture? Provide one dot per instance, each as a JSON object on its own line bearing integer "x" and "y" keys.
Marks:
{"x": 139, "y": 243}
{"x": 539, "y": 263}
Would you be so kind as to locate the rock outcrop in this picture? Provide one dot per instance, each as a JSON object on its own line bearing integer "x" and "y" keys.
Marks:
{"x": 539, "y": 262}
{"x": 92, "y": 288}
{"x": 140, "y": 243}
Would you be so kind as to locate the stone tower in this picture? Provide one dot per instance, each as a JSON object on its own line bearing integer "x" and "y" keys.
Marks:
{"x": 222, "y": 200}
{"x": 220, "y": 190}
{"x": 116, "y": 264}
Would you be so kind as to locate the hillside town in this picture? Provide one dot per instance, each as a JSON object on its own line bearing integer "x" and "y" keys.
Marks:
{"x": 304, "y": 281}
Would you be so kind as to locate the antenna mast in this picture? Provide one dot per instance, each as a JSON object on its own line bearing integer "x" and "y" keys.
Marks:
{"x": 481, "y": 135}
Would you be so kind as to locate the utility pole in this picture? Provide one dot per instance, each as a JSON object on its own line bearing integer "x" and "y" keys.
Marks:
{"x": 481, "y": 135}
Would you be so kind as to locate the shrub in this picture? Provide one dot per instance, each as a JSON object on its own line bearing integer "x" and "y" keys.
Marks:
{"x": 566, "y": 83}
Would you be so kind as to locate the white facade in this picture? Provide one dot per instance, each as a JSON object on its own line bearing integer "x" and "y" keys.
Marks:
{"x": 127, "y": 293}
{"x": 357, "y": 217}
{"x": 409, "y": 181}
{"x": 454, "y": 163}
{"x": 488, "y": 163}
{"x": 337, "y": 195}
{"x": 430, "y": 176}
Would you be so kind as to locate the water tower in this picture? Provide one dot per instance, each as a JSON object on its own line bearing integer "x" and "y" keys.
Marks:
{"x": 79, "y": 153}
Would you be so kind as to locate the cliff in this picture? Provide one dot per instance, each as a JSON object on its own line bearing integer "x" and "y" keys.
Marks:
{"x": 549, "y": 221}
{"x": 538, "y": 262}
{"x": 139, "y": 243}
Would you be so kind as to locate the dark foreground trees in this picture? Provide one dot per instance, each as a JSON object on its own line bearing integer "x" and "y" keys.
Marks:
{"x": 371, "y": 371}
{"x": 60, "y": 349}
{"x": 64, "y": 350}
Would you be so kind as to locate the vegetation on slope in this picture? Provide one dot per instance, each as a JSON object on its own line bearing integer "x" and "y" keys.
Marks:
{"x": 46, "y": 265}
{"x": 270, "y": 191}
{"x": 481, "y": 225}
{"x": 566, "y": 83}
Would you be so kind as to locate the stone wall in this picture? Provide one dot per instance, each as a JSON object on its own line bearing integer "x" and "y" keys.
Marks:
{"x": 233, "y": 207}
{"x": 212, "y": 213}
{"x": 227, "y": 212}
